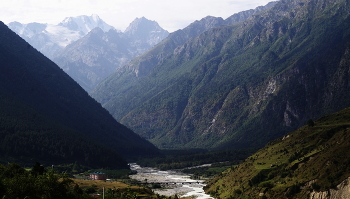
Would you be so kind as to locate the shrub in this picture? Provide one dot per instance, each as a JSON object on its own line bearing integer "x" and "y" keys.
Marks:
{"x": 260, "y": 177}
{"x": 266, "y": 184}
{"x": 310, "y": 123}
{"x": 315, "y": 187}
{"x": 238, "y": 191}
{"x": 294, "y": 189}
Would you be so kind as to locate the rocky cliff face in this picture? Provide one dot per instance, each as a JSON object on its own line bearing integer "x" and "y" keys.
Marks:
{"x": 341, "y": 192}
{"x": 240, "y": 85}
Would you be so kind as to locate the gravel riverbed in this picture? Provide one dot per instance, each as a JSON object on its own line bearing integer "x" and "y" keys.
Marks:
{"x": 178, "y": 183}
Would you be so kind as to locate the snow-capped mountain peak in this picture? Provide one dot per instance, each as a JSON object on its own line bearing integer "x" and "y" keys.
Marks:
{"x": 85, "y": 23}
{"x": 50, "y": 39}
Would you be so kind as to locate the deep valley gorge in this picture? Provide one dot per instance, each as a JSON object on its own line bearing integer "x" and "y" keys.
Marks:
{"x": 261, "y": 98}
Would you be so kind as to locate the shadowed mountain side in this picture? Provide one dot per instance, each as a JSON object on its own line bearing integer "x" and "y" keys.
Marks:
{"x": 32, "y": 78}
{"x": 29, "y": 136}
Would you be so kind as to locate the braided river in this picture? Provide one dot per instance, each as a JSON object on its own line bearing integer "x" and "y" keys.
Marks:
{"x": 172, "y": 182}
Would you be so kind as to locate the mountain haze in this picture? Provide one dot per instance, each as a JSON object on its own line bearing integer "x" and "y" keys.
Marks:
{"x": 94, "y": 57}
{"x": 234, "y": 86}
{"x": 49, "y": 39}
{"x": 85, "y": 24}
{"x": 145, "y": 33}
{"x": 47, "y": 103}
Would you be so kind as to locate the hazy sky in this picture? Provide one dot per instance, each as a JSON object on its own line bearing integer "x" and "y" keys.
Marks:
{"x": 170, "y": 14}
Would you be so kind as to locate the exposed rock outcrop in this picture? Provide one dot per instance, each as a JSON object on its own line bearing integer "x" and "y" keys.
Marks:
{"x": 341, "y": 192}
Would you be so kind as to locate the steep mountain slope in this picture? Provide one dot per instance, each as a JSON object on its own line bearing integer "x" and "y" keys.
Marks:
{"x": 302, "y": 164}
{"x": 28, "y": 136}
{"x": 94, "y": 57}
{"x": 143, "y": 64}
{"x": 50, "y": 39}
{"x": 241, "y": 85}
{"x": 32, "y": 79}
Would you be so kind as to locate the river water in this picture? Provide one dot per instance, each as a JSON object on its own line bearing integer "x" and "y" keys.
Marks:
{"x": 192, "y": 188}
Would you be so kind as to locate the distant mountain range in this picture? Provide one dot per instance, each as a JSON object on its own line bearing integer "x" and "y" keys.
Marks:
{"x": 94, "y": 57}
{"x": 87, "y": 48}
{"x": 50, "y": 39}
{"x": 239, "y": 82}
{"x": 46, "y": 116}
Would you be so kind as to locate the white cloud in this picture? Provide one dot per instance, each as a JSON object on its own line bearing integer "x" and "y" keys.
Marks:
{"x": 170, "y": 14}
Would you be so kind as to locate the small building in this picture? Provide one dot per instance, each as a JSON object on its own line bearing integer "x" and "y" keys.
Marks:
{"x": 98, "y": 176}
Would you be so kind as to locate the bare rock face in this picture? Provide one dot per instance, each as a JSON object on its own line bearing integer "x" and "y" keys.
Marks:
{"x": 341, "y": 192}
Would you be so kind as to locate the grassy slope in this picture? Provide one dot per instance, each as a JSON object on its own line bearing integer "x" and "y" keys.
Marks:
{"x": 310, "y": 158}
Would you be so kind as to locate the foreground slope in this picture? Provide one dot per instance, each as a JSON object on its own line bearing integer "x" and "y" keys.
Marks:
{"x": 302, "y": 164}
{"x": 33, "y": 80}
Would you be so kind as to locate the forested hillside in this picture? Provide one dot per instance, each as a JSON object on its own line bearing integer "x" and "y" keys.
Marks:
{"x": 28, "y": 136}
{"x": 240, "y": 85}
{"x": 45, "y": 115}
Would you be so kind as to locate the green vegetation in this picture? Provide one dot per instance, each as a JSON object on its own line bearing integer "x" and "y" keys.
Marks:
{"x": 78, "y": 170}
{"x": 208, "y": 172}
{"x": 237, "y": 86}
{"x": 312, "y": 158}
{"x": 114, "y": 189}
{"x": 16, "y": 182}
{"x": 40, "y": 182}
{"x": 180, "y": 159}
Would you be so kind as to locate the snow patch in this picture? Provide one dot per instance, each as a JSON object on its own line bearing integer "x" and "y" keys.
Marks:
{"x": 60, "y": 35}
